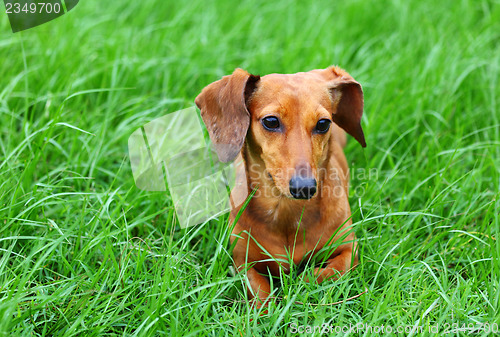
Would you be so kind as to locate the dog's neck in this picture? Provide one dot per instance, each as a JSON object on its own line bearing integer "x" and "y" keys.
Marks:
{"x": 269, "y": 205}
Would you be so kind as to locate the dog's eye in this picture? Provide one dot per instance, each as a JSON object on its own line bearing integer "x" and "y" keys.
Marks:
{"x": 271, "y": 123}
{"x": 323, "y": 125}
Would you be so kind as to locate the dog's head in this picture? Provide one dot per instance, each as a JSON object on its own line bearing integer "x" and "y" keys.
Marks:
{"x": 286, "y": 120}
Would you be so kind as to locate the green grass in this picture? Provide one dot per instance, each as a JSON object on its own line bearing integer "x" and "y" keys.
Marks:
{"x": 84, "y": 252}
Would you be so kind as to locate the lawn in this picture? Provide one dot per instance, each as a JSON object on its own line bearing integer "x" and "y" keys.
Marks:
{"x": 83, "y": 251}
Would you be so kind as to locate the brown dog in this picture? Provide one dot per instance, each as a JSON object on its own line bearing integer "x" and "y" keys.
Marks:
{"x": 290, "y": 154}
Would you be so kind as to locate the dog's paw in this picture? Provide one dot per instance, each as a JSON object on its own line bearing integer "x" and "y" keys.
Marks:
{"x": 322, "y": 274}
{"x": 312, "y": 278}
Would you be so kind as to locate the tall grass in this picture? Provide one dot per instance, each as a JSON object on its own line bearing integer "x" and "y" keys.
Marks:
{"x": 84, "y": 252}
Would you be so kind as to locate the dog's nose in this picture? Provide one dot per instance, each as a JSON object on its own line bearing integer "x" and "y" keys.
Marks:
{"x": 302, "y": 188}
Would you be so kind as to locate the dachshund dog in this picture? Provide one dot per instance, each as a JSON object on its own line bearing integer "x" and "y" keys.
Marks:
{"x": 285, "y": 132}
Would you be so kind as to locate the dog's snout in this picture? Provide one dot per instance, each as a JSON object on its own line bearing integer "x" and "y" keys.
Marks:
{"x": 302, "y": 188}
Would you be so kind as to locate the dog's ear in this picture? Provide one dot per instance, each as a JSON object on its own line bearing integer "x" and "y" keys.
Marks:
{"x": 347, "y": 97}
{"x": 224, "y": 112}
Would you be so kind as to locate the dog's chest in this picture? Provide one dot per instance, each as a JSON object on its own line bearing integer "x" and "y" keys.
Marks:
{"x": 282, "y": 257}
{"x": 278, "y": 250}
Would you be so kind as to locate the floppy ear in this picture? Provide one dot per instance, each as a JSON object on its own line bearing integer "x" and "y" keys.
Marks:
{"x": 224, "y": 112}
{"x": 347, "y": 97}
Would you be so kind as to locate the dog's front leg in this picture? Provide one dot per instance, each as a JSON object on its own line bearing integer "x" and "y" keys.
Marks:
{"x": 338, "y": 265}
{"x": 259, "y": 287}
